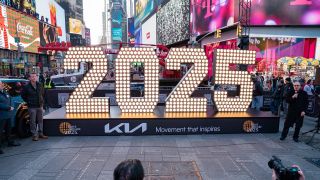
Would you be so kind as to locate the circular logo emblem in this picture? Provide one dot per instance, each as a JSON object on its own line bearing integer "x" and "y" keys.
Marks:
{"x": 73, "y": 79}
{"x": 64, "y": 127}
{"x": 247, "y": 126}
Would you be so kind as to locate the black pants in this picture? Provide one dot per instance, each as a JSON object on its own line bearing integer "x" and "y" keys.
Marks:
{"x": 288, "y": 124}
{"x": 5, "y": 124}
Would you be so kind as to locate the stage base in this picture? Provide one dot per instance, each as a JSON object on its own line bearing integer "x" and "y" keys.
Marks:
{"x": 58, "y": 123}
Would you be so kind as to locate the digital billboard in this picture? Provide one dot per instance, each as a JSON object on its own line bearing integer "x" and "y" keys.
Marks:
{"x": 173, "y": 22}
{"x": 16, "y": 27}
{"x": 75, "y": 26}
{"x": 29, "y": 6}
{"x": 47, "y": 33}
{"x": 143, "y": 9}
{"x": 55, "y": 13}
{"x": 131, "y": 30}
{"x": 149, "y": 31}
{"x": 207, "y": 16}
{"x": 285, "y": 12}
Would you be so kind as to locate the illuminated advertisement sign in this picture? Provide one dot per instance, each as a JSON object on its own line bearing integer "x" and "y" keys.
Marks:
{"x": 285, "y": 12}
{"x": 29, "y": 6}
{"x": 75, "y": 26}
{"x": 47, "y": 33}
{"x": 207, "y": 16}
{"x": 131, "y": 30}
{"x": 173, "y": 22}
{"x": 116, "y": 34}
{"x": 149, "y": 31}
{"x": 55, "y": 13}
{"x": 143, "y": 9}
{"x": 25, "y": 29}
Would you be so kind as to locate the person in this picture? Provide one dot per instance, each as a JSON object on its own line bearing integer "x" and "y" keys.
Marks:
{"x": 309, "y": 88}
{"x": 288, "y": 88}
{"x": 257, "y": 94}
{"x": 298, "y": 104}
{"x": 32, "y": 94}
{"x": 277, "y": 98}
{"x": 47, "y": 84}
{"x": 130, "y": 169}
{"x": 301, "y": 177}
{"x": 5, "y": 117}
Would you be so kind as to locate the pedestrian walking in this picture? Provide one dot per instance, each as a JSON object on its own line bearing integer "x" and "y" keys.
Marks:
{"x": 5, "y": 117}
{"x": 298, "y": 104}
{"x": 277, "y": 98}
{"x": 288, "y": 89}
{"x": 33, "y": 94}
{"x": 309, "y": 88}
{"x": 257, "y": 101}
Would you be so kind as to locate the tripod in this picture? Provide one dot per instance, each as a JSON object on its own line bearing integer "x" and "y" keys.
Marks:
{"x": 315, "y": 130}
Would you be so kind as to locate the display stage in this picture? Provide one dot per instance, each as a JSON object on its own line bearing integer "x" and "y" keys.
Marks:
{"x": 58, "y": 123}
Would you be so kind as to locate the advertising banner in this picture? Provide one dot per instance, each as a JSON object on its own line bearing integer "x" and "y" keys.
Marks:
{"x": 116, "y": 30}
{"x": 143, "y": 9}
{"x": 181, "y": 126}
{"x": 149, "y": 31}
{"x": 173, "y": 22}
{"x": 75, "y": 26}
{"x": 131, "y": 30}
{"x": 28, "y": 6}
{"x": 55, "y": 13}
{"x": 207, "y": 16}
{"x": 16, "y": 28}
{"x": 116, "y": 34}
{"x": 285, "y": 12}
{"x": 47, "y": 33}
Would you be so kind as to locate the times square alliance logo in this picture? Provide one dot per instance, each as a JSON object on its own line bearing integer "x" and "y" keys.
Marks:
{"x": 66, "y": 128}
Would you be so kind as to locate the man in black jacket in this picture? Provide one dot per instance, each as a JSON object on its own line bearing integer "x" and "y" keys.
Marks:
{"x": 298, "y": 104}
{"x": 32, "y": 94}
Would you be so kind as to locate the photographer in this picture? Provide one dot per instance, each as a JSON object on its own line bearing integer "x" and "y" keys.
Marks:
{"x": 279, "y": 172}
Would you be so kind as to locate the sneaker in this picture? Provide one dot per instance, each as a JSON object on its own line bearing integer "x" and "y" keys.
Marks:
{"x": 13, "y": 143}
{"x": 35, "y": 138}
{"x": 282, "y": 138}
{"x": 43, "y": 136}
{"x": 295, "y": 139}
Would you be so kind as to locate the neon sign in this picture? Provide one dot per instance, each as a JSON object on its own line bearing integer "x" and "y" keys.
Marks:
{"x": 179, "y": 100}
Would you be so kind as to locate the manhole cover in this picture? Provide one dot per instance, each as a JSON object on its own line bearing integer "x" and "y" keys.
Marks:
{"x": 315, "y": 161}
{"x": 163, "y": 170}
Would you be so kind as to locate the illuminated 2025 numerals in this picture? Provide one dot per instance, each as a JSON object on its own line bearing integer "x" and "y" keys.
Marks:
{"x": 179, "y": 100}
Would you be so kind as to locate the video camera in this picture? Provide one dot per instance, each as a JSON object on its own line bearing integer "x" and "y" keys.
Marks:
{"x": 283, "y": 173}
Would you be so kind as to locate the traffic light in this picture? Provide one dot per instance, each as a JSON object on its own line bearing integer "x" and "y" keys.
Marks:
{"x": 218, "y": 33}
{"x": 239, "y": 30}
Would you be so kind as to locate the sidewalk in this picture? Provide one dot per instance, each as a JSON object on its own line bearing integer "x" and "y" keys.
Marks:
{"x": 208, "y": 157}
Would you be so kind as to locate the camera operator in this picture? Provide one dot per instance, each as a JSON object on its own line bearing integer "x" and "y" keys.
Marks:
{"x": 279, "y": 172}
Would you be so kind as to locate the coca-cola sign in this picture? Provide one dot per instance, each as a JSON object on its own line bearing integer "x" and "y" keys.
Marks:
{"x": 25, "y": 29}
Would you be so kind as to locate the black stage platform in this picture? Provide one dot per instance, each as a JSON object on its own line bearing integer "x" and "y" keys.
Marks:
{"x": 58, "y": 123}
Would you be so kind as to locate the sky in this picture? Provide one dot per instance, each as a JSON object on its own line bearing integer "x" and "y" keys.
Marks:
{"x": 93, "y": 18}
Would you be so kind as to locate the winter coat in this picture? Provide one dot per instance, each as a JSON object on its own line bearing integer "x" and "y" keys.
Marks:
{"x": 33, "y": 97}
{"x": 296, "y": 106}
{"x": 5, "y": 104}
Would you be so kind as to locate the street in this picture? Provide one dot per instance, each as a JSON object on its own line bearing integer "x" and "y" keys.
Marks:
{"x": 226, "y": 156}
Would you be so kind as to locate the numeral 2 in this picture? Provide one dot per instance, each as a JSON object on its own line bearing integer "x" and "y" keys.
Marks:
{"x": 179, "y": 100}
{"x": 80, "y": 100}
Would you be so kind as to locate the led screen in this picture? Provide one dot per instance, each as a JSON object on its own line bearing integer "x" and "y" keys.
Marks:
{"x": 285, "y": 12}
{"x": 143, "y": 9}
{"x": 16, "y": 27}
{"x": 207, "y": 16}
{"x": 47, "y": 33}
{"x": 56, "y": 16}
{"x": 173, "y": 22}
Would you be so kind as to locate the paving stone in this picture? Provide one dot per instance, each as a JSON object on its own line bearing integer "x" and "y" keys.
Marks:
{"x": 67, "y": 174}
{"x": 24, "y": 174}
{"x": 57, "y": 164}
